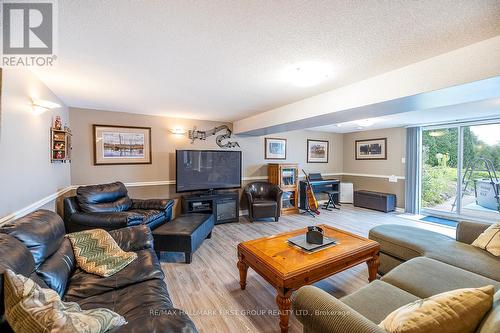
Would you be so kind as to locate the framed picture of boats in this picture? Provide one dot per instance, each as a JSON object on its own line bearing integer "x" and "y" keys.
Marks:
{"x": 121, "y": 145}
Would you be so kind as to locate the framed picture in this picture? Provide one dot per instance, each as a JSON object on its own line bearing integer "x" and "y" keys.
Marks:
{"x": 373, "y": 149}
{"x": 275, "y": 149}
{"x": 121, "y": 145}
{"x": 317, "y": 151}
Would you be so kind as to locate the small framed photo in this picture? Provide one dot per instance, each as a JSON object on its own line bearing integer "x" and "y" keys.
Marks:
{"x": 373, "y": 149}
{"x": 121, "y": 145}
{"x": 317, "y": 151}
{"x": 275, "y": 149}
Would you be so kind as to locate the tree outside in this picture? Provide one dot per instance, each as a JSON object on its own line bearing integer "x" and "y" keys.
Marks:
{"x": 440, "y": 162}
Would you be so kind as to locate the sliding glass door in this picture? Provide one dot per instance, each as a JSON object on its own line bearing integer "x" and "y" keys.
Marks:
{"x": 460, "y": 170}
{"x": 440, "y": 168}
{"x": 480, "y": 182}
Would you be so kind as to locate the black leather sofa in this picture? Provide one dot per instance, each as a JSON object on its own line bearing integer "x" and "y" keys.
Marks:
{"x": 264, "y": 200}
{"x": 108, "y": 206}
{"x": 35, "y": 246}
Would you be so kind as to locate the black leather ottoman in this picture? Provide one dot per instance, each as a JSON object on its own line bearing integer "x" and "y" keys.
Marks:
{"x": 183, "y": 234}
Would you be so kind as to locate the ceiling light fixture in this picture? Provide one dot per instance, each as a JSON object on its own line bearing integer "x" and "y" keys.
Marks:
{"x": 39, "y": 106}
{"x": 366, "y": 122}
{"x": 308, "y": 73}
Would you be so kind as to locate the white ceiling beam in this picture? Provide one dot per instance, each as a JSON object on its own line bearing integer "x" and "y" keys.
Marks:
{"x": 407, "y": 89}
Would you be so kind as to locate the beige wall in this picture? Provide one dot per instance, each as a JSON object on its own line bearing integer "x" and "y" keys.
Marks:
{"x": 164, "y": 145}
{"x": 27, "y": 175}
{"x": 396, "y": 138}
{"x": 396, "y": 147}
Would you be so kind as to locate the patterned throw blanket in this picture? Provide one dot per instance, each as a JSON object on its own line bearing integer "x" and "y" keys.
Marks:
{"x": 97, "y": 252}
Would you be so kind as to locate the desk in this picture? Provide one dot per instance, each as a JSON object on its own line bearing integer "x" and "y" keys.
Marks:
{"x": 318, "y": 186}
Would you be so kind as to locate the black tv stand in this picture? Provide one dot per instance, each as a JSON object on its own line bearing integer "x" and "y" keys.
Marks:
{"x": 224, "y": 205}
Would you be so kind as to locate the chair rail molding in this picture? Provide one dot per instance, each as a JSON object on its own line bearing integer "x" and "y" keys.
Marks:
{"x": 52, "y": 197}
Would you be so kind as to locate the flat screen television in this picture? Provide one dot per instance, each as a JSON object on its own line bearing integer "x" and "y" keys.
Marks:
{"x": 201, "y": 170}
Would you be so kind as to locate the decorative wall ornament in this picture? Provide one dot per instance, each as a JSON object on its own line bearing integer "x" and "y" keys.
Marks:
{"x": 195, "y": 134}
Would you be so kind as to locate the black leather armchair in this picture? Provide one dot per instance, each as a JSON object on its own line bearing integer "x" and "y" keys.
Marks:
{"x": 109, "y": 207}
{"x": 264, "y": 200}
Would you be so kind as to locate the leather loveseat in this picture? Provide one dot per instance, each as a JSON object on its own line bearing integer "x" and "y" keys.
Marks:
{"x": 108, "y": 207}
{"x": 35, "y": 246}
{"x": 264, "y": 200}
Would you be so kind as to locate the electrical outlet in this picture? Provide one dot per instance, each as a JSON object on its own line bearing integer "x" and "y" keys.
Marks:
{"x": 393, "y": 179}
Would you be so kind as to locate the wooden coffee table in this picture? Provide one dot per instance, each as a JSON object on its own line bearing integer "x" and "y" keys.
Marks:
{"x": 287, "y": 267}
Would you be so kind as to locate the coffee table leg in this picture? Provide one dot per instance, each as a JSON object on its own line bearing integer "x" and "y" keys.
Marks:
{"x": 284, "y": 304}
{"x": 243, "y": 268}
{"x": 373, "y": 267}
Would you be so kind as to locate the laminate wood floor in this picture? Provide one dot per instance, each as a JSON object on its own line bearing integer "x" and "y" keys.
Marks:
{"x": 208, "y": 289}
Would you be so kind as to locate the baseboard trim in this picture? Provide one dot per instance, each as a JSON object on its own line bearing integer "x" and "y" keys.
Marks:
{"x": 42, "y": 202}
{"x": 371, "y": 175}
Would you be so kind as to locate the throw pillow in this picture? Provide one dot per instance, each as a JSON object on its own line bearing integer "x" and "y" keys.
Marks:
{"x": 489, "y": 240}
{"x": 456, "y": 311}
{"x": 96, "y": 252}
{"x": 30, "y": 308}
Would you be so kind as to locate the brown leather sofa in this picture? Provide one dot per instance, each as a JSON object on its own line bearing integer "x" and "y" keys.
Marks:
{"x": 264, "y": 200}
{"x": 108, "y": 206}
{"x": 35, "y": 246}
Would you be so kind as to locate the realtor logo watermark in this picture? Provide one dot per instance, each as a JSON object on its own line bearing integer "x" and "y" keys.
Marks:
{"x": 29, "y": 32}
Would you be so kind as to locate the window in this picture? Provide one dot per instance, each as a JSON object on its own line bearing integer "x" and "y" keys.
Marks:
{"x": 460, "y": 170}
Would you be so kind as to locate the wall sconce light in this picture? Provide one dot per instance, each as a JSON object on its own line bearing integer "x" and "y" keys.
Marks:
{"x": 39, "y": 106}
{"x": 178, "y": 131}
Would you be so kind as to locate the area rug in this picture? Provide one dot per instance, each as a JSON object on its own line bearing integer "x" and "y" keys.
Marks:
{"x": 439, "y": 220}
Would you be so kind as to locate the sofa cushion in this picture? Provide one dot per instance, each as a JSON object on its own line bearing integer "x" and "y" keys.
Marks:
{"x": 489, "y": 240}
{"x": 154, "y": 313}
{"x": 467, "y": 257}
{"x": 405, "y": 242}
{"x": 111, "y": 197}
{"x": 42, "y": 232}
{"x": 16, "y": 257}
{"x": 376, "y": 300}
{"x": 148, "y": 216}
{"x": 425, "y": 277}
{"x": 57, "y": 269}
{"x": 456, "y": 311}
{"x": 83, "y": 285}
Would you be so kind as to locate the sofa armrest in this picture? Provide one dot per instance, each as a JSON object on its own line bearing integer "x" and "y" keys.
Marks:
{"x": 134, "y": 238}
{"x": 320, "y": 312}
{"x": 106, "y": 221}
{"x": 467, "y": 232}
{"x": 157, "y": 204}
{"x": 276, "y": 193}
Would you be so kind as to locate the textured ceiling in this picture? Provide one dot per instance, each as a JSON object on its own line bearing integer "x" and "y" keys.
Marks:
{"x": 223, "y": 60}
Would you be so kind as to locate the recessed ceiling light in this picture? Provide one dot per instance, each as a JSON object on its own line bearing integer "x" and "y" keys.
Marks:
{"x": 359, "y": 128}
{"x": 366, "y": 122}
{"x": 308, "y": 73}
{"x": 338, "y": 125}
